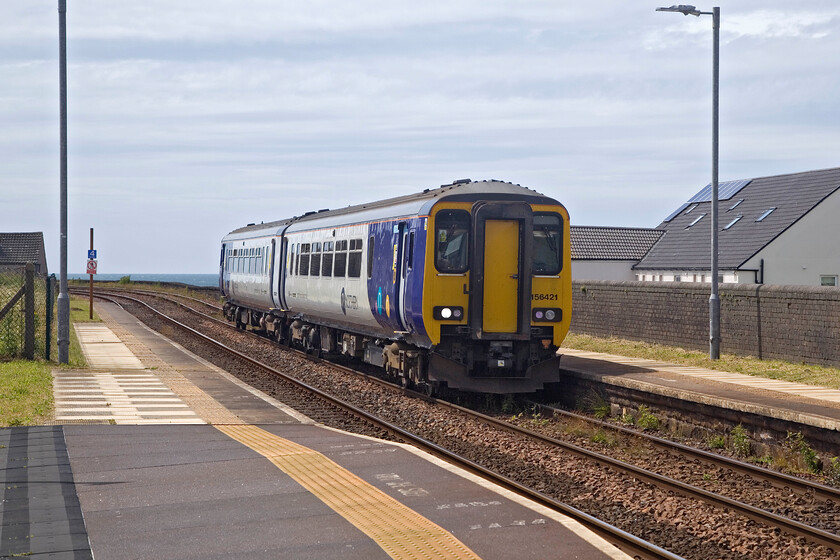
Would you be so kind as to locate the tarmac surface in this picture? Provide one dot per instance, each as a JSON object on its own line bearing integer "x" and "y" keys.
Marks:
{"x": 158, "y": 454}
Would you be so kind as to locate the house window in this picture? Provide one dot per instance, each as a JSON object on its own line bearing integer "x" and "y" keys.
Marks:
{"x": 693, "y": 206}
{"x": 677, "y": 278}
{"x": 734, "y": 206}
{"x": 733, "y": 222}
{"x": 828, "y": 280}
{"x": 767, "y": 213}
{"x": 697, "y": 219}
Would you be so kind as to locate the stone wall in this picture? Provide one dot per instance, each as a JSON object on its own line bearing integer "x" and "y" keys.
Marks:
{"x": 794, "y": 323}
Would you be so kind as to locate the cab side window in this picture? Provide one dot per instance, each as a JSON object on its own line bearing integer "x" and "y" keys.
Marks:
{"x": 547, "y": 244}
{"x": 452, "y": 241}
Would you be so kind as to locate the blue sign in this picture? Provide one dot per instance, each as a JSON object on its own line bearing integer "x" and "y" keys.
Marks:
{"x": 91, "y": 253}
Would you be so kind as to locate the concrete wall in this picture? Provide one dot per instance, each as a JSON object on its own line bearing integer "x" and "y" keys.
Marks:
{"x": 795, "y": 323}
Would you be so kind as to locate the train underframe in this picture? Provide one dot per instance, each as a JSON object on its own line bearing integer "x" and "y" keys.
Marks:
{"x": 458, "y": 362}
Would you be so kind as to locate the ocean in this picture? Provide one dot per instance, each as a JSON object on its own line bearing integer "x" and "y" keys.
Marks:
{"x": 203, "y": 280}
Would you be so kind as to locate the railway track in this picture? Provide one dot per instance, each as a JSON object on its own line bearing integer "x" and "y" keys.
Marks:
{"x": 635, "y": 475}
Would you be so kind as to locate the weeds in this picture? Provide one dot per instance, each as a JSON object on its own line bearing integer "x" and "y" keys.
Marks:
{"x": 605, "y": 438}
{"x": 595, "y": 403}
{"x": 796, "y": 443}
{"x": 716, "y": 441}
{"x": 832, "y": 471}
{"x": 647, "y": 420}
{"x": 740, "y": 441}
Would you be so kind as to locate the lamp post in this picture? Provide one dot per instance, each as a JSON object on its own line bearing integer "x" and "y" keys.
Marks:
{"x": 714, "y": 299}
{"x": 63, "y": 296}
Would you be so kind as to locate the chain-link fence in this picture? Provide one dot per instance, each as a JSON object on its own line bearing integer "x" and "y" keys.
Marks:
{"x": 27, "y": 328}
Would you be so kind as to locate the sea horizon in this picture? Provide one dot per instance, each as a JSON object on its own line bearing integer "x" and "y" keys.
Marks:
{"x": 200, "y": 280}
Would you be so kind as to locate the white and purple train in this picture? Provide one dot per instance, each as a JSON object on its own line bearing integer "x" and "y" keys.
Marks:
{"x": 466, "y": 286}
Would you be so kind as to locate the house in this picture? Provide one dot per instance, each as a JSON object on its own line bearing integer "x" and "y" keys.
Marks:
{"x": 609, "y": 253}
{"x": 17, "y": 249}
{"x": 782, "y": 229}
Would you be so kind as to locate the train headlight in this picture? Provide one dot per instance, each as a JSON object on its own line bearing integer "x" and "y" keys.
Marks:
{"x": 448, "y": 313}
{"x": 550, "y": 315}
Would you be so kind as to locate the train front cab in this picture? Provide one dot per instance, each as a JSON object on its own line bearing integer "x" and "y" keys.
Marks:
{"x": 499, "y": 294}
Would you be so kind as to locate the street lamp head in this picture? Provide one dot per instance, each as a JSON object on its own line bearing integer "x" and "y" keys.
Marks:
{"x": 683, "y": 9}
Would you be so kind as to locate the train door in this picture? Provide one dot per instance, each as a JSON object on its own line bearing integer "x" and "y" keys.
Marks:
{"x": 282, "y": 271}
{"x": 407, "y": 263}
{"x": 501, "y": 278}
{"x": 224, "y": 273}
{"x": 399, "y": 273}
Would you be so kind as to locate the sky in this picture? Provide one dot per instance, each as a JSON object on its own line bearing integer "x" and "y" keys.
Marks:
{"x": 189, "y": 119}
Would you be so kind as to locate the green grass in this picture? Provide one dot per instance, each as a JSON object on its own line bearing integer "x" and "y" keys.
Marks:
{"x": 772, "y": 369}
{"x": 80, "y": 311}
{"x": 26, "y": 396}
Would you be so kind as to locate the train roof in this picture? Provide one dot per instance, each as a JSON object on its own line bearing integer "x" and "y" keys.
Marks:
{"x": 408, "y": 205}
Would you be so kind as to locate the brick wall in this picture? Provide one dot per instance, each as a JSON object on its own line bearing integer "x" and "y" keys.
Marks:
{"x": 794, "y": 323}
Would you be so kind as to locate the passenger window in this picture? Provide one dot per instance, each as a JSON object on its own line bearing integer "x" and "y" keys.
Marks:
{"x": 340, "y": 259}
{"x": 315, "y": 260}
{"x": 547, "y": 245}
{"x": 303, "y": 262}
{"x": 452, "y": 238}
{"x": 411, "y": 250}
{"x": 327, "y": 259}
{"x": 354, "y": 260}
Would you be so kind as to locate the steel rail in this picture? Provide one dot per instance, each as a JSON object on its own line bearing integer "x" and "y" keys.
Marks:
{"x": 627, "y": 542}
{"x": 791, "y": 526}
{"x": 783, "y": 480}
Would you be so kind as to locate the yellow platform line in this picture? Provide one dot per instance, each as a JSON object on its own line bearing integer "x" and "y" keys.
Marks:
{"x": 401, "y": 532}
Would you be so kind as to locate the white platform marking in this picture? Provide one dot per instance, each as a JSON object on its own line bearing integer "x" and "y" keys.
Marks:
{"x": 136, "y": 396}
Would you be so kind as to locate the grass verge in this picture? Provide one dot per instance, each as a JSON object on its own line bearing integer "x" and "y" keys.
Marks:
{"x": 772, "y": 369}
{"x": 26, "y": 395}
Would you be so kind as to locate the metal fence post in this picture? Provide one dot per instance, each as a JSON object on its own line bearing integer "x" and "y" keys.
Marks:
{"x": 29, "y": 313}
{"x": 49, "y": 313}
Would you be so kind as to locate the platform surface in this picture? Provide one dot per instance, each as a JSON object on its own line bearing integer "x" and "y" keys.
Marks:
{"x": 178, "y": 459}
{"x": 795, "y": 402}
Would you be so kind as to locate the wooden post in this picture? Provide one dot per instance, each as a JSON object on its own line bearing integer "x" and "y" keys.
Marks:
{"x": 90, "y": 303}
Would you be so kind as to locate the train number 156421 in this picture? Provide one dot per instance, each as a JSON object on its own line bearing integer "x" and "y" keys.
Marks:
{"x": 544, "y": 297}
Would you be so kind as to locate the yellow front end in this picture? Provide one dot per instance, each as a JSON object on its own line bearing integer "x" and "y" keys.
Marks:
{"x": 450, "y": 288}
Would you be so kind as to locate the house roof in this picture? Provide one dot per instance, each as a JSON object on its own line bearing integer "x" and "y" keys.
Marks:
{"x": 687, "y": 239}
{"x": 20, "y": 248}
{"x": 612, "y": 243}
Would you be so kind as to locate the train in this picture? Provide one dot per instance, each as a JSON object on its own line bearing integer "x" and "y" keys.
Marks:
{"x": 464, "y": 287}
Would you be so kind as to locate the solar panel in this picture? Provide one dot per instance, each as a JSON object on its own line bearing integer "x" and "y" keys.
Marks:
{"x": 675, "y": 212}
{"x": 726, "y": 190}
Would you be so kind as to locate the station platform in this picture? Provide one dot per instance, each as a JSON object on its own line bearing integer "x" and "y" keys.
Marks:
{"x": 771, "y": 399}
{"x": 156, "y": 453}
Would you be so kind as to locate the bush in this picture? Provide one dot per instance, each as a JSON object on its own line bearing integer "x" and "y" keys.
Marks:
{"x": 125, "y": 280}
